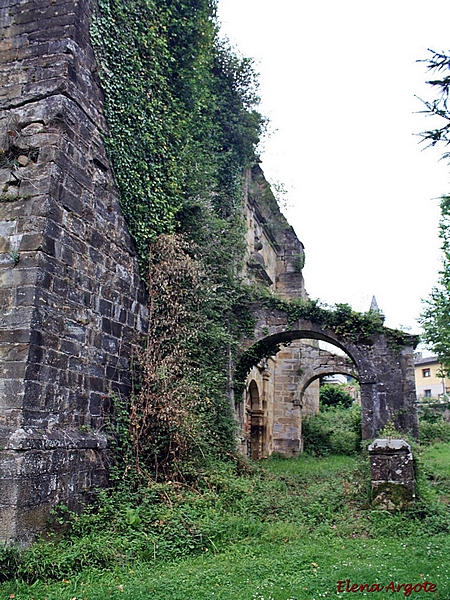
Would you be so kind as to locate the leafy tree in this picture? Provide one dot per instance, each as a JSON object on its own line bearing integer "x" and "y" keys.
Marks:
{"x": 334, "y": 395}
{"x": 435, "y": 318}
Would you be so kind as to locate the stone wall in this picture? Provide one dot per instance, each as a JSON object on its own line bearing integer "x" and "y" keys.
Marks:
{"x": 275, "y": 259}
{"x": 71, "y": 298}
{"x": 384, "y": 367}
{"x": 275, "y": 255}
{"x": 287, "y": 387}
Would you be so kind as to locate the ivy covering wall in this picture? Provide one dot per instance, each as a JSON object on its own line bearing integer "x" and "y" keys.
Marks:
{"x": 183, "y": 127}
{"x": 180, "y": 107}
{"x": 180, "y": 111}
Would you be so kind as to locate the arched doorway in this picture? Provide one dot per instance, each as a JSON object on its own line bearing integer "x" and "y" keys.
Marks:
{"x": 324, "y": 361}
{"x": 383, "y": 364}
{"x": 256, "y": 423}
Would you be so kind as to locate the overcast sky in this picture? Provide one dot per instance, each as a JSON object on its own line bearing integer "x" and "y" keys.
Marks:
{"x": 338, "y": 82}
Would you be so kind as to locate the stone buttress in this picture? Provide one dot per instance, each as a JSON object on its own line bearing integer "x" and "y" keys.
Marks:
{"x": 71, "y": 300}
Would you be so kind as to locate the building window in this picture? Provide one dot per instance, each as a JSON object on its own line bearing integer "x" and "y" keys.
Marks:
{"x": 426, "y": 372}
{"x": 427, "y": 393}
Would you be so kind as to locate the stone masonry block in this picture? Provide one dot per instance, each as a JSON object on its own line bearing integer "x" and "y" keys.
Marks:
{"x": 392, "y": 473}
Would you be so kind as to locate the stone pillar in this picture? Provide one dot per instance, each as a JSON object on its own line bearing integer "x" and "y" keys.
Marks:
{"x": 287, "y": 413}
{"x": 71, "y": 299}
{"x": 392, "y": 474}
{"x": 388, "y": 392}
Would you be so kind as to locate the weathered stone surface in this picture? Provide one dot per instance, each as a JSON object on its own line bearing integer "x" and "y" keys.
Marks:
{"x": 287, "y": 384}
{"x": 385, "y": 372}
{"x": 38, "y": 470}
{"x": 72, "y": 299}
{"x": 392, "y": 473}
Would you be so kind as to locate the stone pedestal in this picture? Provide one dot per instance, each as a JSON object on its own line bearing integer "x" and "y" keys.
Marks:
{"x": 392, "y": 474}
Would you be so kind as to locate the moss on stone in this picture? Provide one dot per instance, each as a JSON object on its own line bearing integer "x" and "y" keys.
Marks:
{"x": 392, "y": 496}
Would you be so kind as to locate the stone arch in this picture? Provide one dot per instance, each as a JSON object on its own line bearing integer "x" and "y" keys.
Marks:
{"x": 384, "y": 369}
{"x": 319, "y": 363}
{"x": 311, "y": 380}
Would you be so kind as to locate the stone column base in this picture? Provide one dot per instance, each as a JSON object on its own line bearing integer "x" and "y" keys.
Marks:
{"x": 39, "y": 470}
{"x": 392, "y": 473}
{"x": 288, "y": 447}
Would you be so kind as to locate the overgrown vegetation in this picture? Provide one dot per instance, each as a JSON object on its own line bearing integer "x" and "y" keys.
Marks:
{"x": 286, "y": 529}
{"x": 181, "y": 520}
{"x": 182, "y": 129}
{"x": 174, "y": 418}
{"x": 331, "y": 394}
{"x": 180, "y": 107}
{"x": 180, "y": 110}
{"x": 434, "y": 426}
{"x": 303, "y": 524}
{"x": 334, "y": 430}
{"x": 342, "y": 319}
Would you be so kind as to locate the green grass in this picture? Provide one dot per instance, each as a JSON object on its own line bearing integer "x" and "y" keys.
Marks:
{"x": 298, "y": 569}
{"x": 287, "y": 529}
{"x": 437, "y": 458}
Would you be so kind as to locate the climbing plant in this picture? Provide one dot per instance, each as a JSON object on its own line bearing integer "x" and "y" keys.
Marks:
{"x": 179, "y": 105}
{"x": 182, "y": 128}
{"x": 341, "y": 319}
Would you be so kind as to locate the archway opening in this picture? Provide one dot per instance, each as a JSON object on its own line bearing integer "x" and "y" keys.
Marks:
{"x": 284, "y": 388}
{"x": 255, "y": 423}
{"x": 383, "y": 360}
{"x": 335, "y": 427}
{"x": 329, "y": 377}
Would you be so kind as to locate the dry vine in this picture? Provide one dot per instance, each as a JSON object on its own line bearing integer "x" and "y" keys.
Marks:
{"x": 163, "y": 421}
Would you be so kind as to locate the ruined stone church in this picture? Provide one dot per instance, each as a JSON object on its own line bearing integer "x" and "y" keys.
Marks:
{"x": 72, "y": 301}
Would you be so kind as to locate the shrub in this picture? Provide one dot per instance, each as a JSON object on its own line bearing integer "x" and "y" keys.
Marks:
{"x": 431, "y": 432}
{"x": 335, "y": 430}
{"x": 9, "y": 559}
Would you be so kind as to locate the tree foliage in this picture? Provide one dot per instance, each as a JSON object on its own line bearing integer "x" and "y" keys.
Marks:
{"x": 334, "y": 395}
{"x": 435, "y": 318}
{"x": 438, "y": 64}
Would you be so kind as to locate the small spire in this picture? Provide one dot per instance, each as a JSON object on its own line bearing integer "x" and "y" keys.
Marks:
{"x": 374, "y": 305}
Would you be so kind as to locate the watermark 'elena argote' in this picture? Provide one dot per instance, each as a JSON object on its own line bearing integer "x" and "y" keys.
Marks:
{"x": 345, "y": 585}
